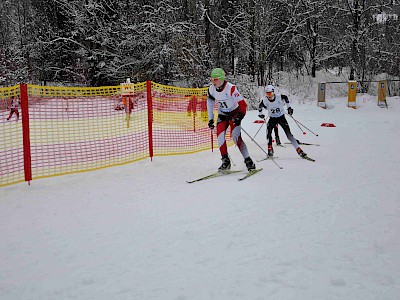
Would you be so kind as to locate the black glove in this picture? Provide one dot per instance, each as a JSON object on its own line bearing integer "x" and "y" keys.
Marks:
{"x": 211, "y": 124}
{"x": 238, "y": 119}
{"x": 290, "y": 111}
{"x": 261, "y": 116}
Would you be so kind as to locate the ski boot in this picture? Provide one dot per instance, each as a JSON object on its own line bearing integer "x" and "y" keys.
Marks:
{"x": 249, "y": 164}
{"x": 270, "y": 151}
{"x": 301, "y": 152}
{"x": 226, "y": 164}
{"x": 278, "y": 141}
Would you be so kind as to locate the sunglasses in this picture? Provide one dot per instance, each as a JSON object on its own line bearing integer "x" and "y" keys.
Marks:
{"x": 214, "y": 79}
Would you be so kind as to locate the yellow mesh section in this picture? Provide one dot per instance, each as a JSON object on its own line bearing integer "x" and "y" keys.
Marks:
{"x": 180, "y": 120}
{"x": 11, "y": 144}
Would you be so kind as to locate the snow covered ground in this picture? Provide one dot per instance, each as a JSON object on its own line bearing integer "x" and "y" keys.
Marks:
{"x": 323, "y": 230}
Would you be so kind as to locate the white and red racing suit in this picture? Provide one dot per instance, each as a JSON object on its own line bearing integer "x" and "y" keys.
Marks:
{"x": 231, "y": 105}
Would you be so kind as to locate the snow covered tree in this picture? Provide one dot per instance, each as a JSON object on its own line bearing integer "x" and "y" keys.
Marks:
{"x": 99, "y": 42}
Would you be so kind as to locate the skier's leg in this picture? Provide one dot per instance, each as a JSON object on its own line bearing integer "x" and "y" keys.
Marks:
{"x": 11, "y": 114}
{"x": 222, "y": 126}
{"x": 285, "y": 126}
{"x": 276, "y": 131}
{"x": 270, "y": 126}
{"x": 237, "y": 139}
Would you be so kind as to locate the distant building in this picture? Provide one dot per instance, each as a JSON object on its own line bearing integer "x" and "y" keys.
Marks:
{"x": 383, "y": 17}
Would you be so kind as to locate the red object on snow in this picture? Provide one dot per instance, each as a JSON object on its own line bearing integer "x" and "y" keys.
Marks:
{"x": 328, "y": 125}
{"x": 259, "y": 121}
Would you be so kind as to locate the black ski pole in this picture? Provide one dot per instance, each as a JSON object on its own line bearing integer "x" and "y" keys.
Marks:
{"x": 262, "y": 149}
{"x": 258, "y": 130}
{"x": 265, "y": 122}
{"x": 297, "y": 122}
{"x": 298, "y": 125}
{"x": 233, "y": 163}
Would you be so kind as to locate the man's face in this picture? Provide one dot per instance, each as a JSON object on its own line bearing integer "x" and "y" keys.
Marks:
{"x": 216, "y": 82}
{"x": 270, "y": 95}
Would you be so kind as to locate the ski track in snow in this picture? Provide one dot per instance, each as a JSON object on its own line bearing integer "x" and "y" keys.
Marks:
{"x": 315, "y": 230}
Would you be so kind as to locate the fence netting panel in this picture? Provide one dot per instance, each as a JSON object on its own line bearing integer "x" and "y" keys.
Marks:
{"x": 11, "y": 143}
{"x": 75, "y": 129}
{"x": 180, "y": 120}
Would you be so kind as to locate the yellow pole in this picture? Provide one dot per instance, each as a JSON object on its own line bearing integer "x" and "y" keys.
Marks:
{"x": 382, "y": 93}
{"x": 352, "y": 89}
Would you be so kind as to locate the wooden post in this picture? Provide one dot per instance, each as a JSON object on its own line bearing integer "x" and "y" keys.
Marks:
{"x": 321, "y": 94}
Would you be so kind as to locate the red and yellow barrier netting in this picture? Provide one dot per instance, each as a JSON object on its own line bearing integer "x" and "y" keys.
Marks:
{"x": 64, "y": 130}
{"x": 11, "y": 139}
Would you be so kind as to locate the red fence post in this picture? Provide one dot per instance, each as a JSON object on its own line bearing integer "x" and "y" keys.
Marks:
{"x": 212, "y": 141}
{"x": 150, "y": 117}
{"x": 25, "y": 131}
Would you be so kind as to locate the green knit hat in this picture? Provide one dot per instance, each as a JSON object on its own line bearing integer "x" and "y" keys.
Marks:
{"x": 218, "y": 73}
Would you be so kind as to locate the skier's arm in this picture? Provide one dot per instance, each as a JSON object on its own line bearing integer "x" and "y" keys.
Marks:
{"x": 242, "y": 108}
{"x": 210, "y": 106}
{"x": 286, "y": 101}
{"x": 260, "y": 109}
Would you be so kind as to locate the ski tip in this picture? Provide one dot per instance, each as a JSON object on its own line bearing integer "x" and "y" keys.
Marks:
{"x": 308, "y": 158}
{"x": 251, "y": 172}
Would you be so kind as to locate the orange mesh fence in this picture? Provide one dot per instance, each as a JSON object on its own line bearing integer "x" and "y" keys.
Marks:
{"x": 76, "y": 129}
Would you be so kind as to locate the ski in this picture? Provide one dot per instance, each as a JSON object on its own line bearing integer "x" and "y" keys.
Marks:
{"x": 250, "y": 173}
{"x": 307, "y": 158}
{"x": 305, "y": 144}
{"x": 268, "y": 157}
{"x": 280, "y": 145}
{"x": 217, "y": 174}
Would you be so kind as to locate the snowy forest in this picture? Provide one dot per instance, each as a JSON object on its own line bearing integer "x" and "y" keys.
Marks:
{"x": 101, "y": 42}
